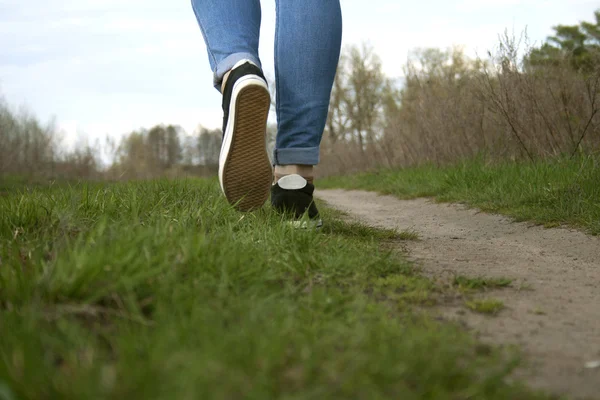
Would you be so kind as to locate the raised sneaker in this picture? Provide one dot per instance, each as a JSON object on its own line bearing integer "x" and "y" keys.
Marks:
{"x": 292, "y": 195}
{"x": 245, "y": 171}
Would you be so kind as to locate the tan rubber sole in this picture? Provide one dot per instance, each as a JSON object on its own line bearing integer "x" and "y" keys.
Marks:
{"x": 247, "y": 173}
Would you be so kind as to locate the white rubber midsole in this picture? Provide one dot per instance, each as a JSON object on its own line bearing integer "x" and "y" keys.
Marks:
{"x": 240, "y": 84}
{"x": 310, "y": 224}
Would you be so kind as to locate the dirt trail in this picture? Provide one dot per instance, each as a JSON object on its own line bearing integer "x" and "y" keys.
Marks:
{"x": 556, "y": 320}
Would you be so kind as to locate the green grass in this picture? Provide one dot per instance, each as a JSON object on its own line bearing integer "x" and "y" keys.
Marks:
{"x": 408, "y": 234}
{"x": 485, "y": 306}
{"x": 551, "y": 192}
{"x": 159, "y": 290}
{"x": 464, "y": 283}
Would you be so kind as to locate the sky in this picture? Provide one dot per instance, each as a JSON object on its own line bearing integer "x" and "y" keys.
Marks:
{"x": 107, "y": 67}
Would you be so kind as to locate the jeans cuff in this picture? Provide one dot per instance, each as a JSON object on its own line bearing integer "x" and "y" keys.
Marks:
{"x": 298, "y": 156}
{"x": 228, "y": 63}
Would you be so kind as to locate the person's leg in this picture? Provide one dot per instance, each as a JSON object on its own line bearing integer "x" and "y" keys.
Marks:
{"x": 307, "y": 49}
{"x": 231, "y": 31}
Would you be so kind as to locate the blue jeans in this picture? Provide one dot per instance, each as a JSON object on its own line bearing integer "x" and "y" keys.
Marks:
{"x": 307, "y": 49}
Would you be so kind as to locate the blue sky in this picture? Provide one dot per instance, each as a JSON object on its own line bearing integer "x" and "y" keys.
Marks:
{"x": 106, "y": 67}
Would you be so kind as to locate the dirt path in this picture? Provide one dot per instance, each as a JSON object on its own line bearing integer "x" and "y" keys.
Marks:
{"x": 556, "y": 321}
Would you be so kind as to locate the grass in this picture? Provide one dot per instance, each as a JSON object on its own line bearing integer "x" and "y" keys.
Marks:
{"x": 408, "y": 234}
{"x": 538, "y": 311}
{"x": 548, "y": 192}
{"x": 485, "y": 306}
{"x": 160, "y": 290}
{"x": 343, "y": 222}
{"x": 464, "y": 283}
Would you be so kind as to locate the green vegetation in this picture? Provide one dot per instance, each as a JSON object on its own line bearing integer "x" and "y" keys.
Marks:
{"x": 580, "y": 44}
{"x": 403, "y": 289}
{"x": 464, "y": 283}
{"x": 549, "y": 192}
{"x": 485, "y": 306}
{"x": 408, "y": 234}
{"x": 160, "y": 290}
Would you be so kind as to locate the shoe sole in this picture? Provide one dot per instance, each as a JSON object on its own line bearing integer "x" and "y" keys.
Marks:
{"x": 245, "y": 171}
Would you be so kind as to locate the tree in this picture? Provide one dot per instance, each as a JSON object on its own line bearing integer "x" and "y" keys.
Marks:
{"x": 164, "y": 146}
{"x": 189, "y": 153}
{"x": 209, "y": 145}
{"x": 580, "y": 44}
{"x": 174, "y": 150}
{"x": 360, "y": 98}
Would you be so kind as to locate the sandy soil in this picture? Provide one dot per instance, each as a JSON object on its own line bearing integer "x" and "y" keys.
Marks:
{"x": 553, "y": 307}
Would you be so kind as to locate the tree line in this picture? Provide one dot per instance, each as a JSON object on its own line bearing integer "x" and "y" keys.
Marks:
{"x": 445, "y": 107}
{"x": 517, "y": 101}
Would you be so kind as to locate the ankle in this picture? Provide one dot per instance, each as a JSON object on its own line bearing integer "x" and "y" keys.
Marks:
{"x": 224, "y": 80}
{"x": 305, "y": 171}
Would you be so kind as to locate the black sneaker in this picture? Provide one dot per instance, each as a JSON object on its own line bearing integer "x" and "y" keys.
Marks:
{"x": 245, "y": 171}
{"x": 293, "y": 195}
